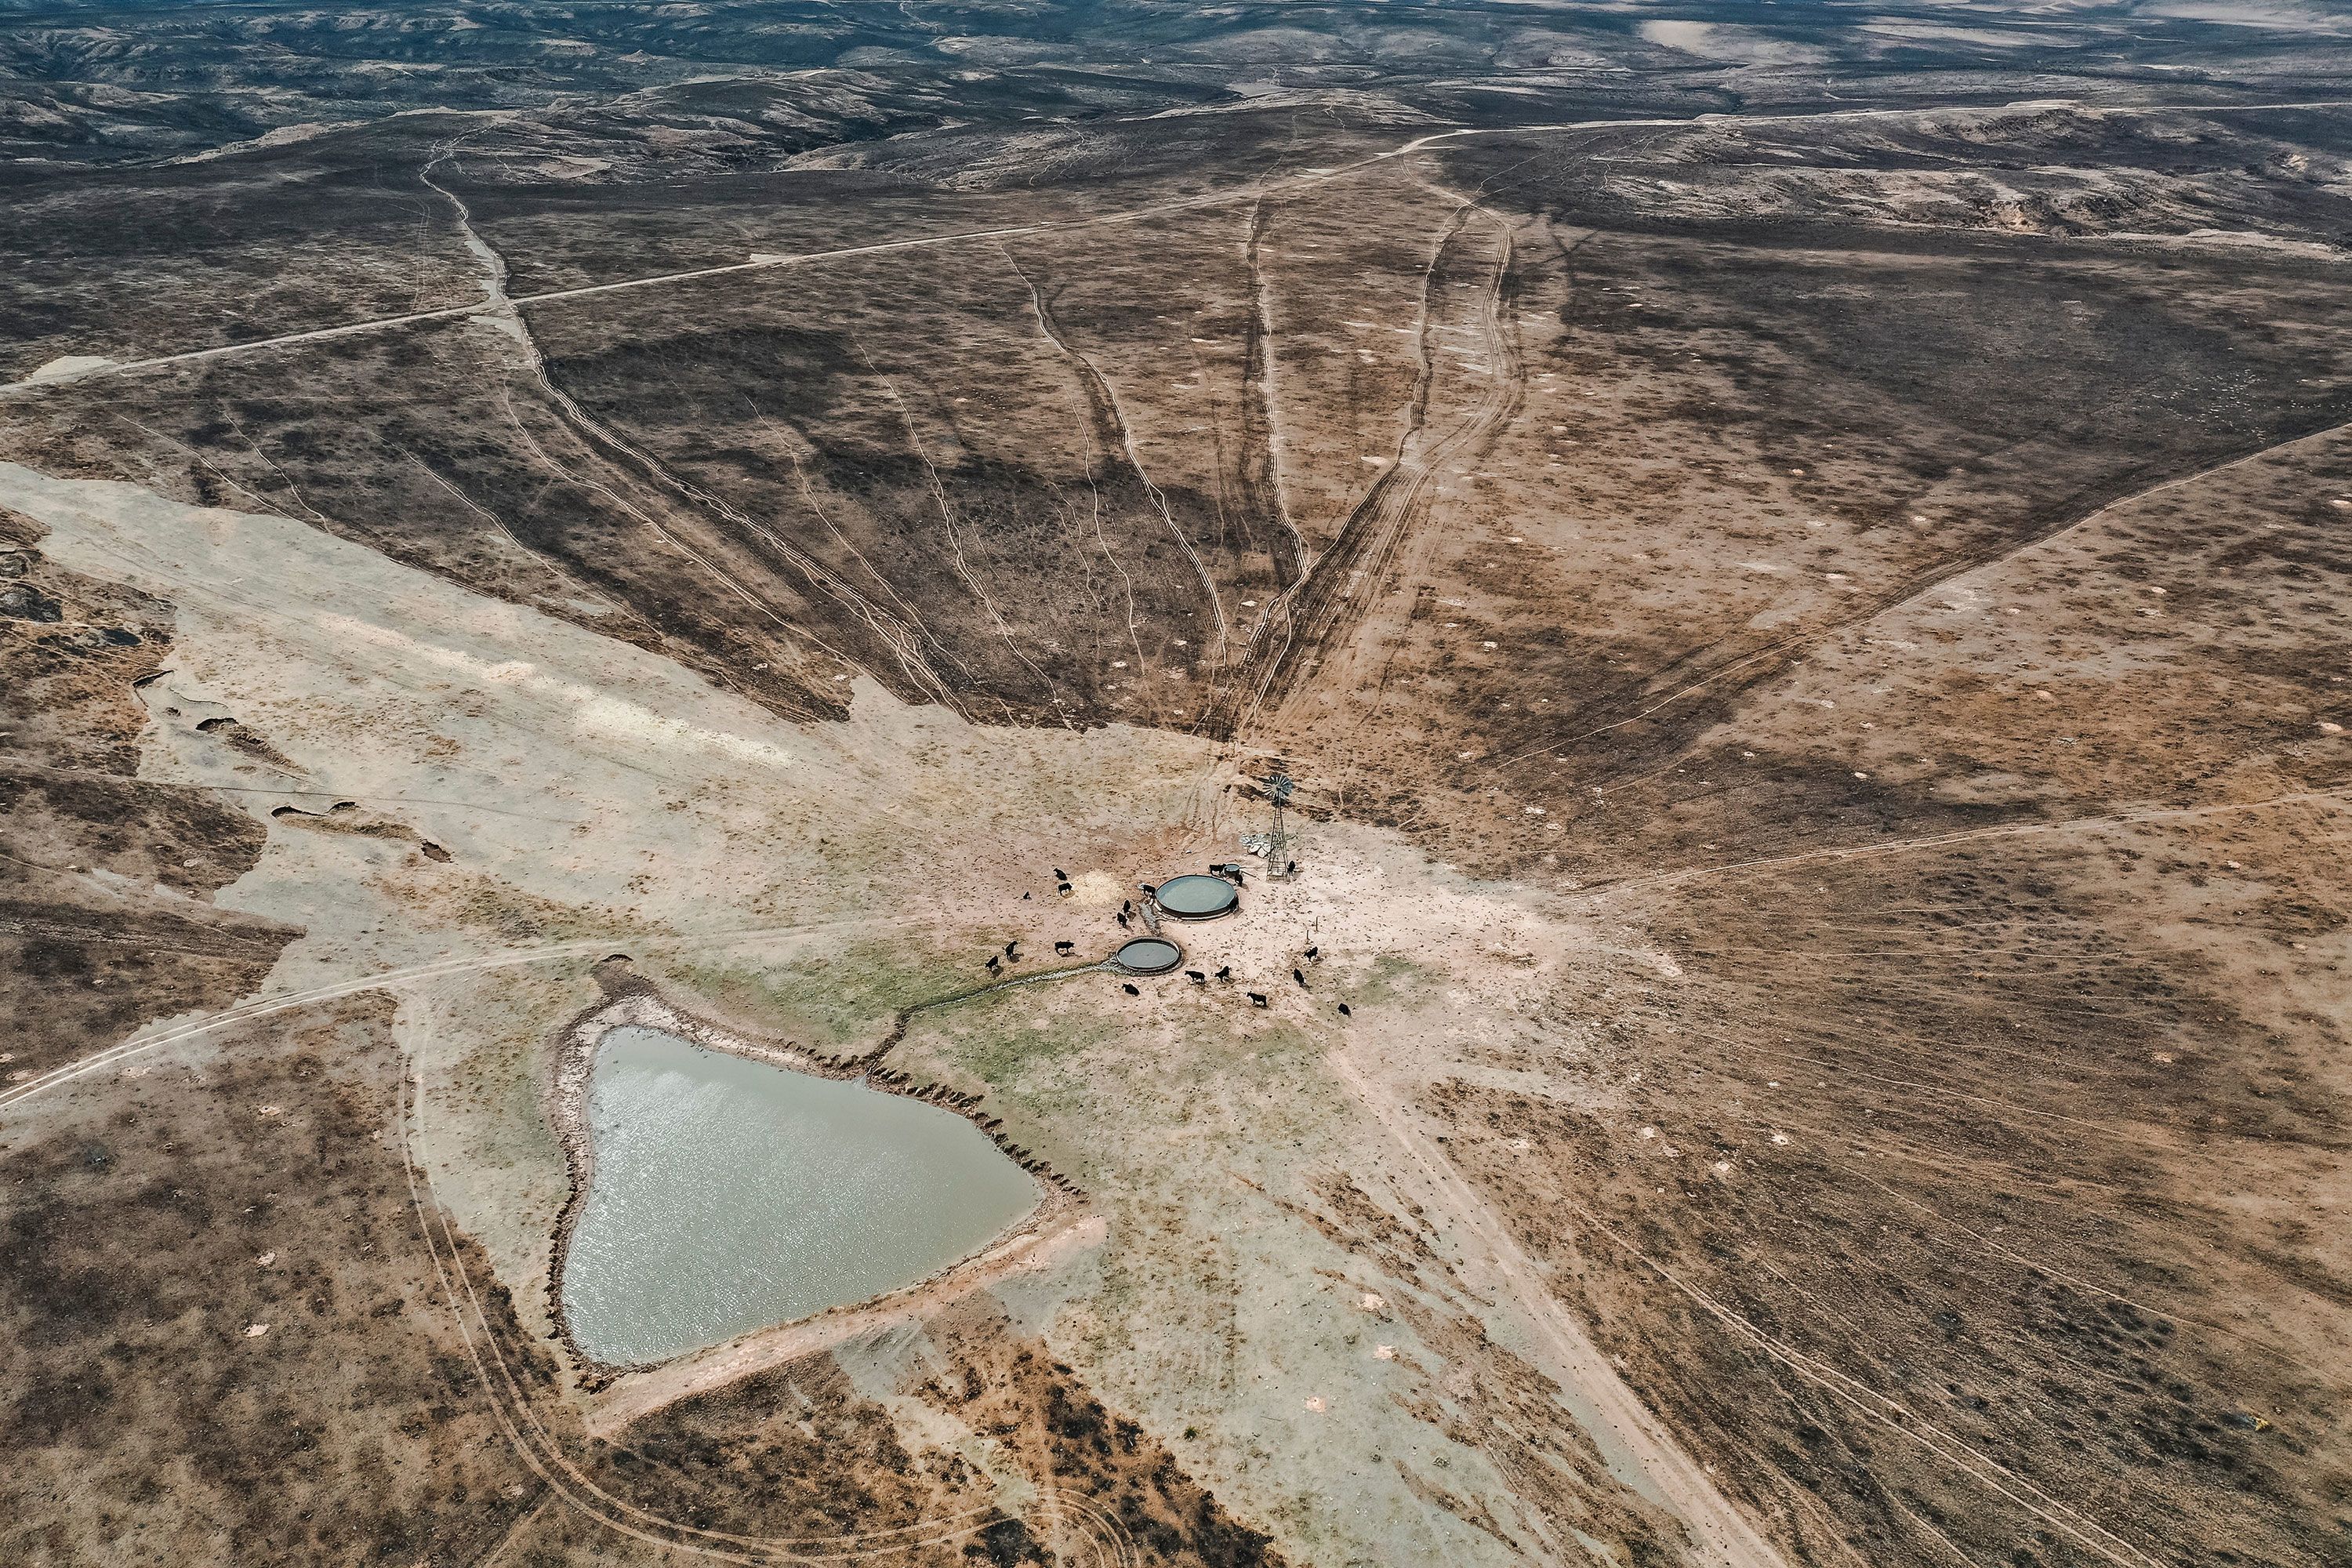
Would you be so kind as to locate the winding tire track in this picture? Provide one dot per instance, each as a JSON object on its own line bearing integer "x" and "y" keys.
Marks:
{"x": 1260, "y": 473}
{"x": 35, "y": 385}
{"x": 1107, "y": 1540}
{"x": 1721, "y": 1535}
{"x": 1102, "y": 401}
{"x": 1763, "y": 663}
{"x": 2143, "y": 817}
{"x": 265, "y": 1007}
{"x": 1348, "y": 578}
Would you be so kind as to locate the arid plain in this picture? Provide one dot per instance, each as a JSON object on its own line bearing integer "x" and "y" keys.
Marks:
{"x": 1797, "y": 556}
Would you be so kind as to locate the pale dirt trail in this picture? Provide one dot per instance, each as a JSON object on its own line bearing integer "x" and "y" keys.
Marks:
{"x": 1883, "y": 1410}
{"x": 392, "y": 979}
{"x": 1971, "y": 836}
{"x": 1260, "y": 412}
{"x": 1100, "y": 385}
{"x": 1340, "y": 657}
{"x": 553, "y": 295}
{"x": 539, "y": 1449}
{"x": 1028, "y": 1250}
{"x": 592, "y": 433}
{"x": 1135, "y": 215}
{"x": 1333, "y": 612}
{"x": 1720, "y": 1535}
{"x": 1943, "y": 576}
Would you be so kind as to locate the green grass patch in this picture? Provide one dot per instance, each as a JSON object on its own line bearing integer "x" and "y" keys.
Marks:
{"x": 1389, "y": 979}
{"x": 835, "y": 1001}
{"x": 996, "y": 1039}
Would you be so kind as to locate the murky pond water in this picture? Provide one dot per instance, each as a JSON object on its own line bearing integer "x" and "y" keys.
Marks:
{"x": 729, "y": 1194}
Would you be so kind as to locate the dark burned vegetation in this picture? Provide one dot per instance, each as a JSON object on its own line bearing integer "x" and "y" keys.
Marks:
{"x": 290, "y": 1381}
{"x": 2016, "y": 1143}
{"x": 1012, "y": 1390}
{"x": 1878, "y": 563}
{"x": 105, "y": 915}
{"x": 296, "y": 1381}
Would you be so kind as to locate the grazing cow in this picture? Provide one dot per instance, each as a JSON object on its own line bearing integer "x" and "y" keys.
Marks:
{"x": 1343, "y": 1011}
{"x": 1295, "y": 974}
{"x": 1196, "y": 977}
{"x": 1130, "y": 990}
{"x": 1122, "y": 920}
{"x": 1063, "y": 948}
{"x": 1256, "y": 1000}
{"x": 1226, "y": 973}
{"x": 1314, "y": 956}
{"x": 1013, "y": 948}
{"x": 995, "y": 967}
{"x": 1060, "y": 875}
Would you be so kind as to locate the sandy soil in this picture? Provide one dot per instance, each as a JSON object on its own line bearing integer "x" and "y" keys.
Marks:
{"x": 549, "y": 771}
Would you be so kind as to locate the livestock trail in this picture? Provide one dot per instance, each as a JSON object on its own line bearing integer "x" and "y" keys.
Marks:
{"x": 1313, "y": 628}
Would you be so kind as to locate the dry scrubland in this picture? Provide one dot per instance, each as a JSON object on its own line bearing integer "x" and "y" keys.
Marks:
{"x": 1812, "y": 633}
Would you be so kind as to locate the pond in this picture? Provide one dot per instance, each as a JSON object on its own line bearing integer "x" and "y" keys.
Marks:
{"x": 728, "y": 1194}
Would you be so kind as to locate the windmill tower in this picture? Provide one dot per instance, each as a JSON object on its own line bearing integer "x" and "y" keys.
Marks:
{"x": 1278, "y": 785}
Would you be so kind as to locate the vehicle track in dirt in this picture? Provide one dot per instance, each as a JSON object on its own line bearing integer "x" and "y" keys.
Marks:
{"x": 1762, "y": 664}
{"x": 2150, "y": 814}
{"x": 1101, "y": 1536}
{"x": 904, "y": 641}
{"x": 1312, "y": 622}
{"x": 1109, "y": 419}
{"x": 1254, "y": 190}
{"x": 1720, "y": 1534}
{"x": 1259, "y": 471}
{"x": 441, "y": 968}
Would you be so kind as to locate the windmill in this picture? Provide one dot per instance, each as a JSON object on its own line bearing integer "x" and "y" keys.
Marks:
{"x": 1278, "y": 785}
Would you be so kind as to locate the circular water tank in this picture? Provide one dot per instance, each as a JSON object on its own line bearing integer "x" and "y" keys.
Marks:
{"x": 1197, "y": 897}
{"x": 1149, "y": 955}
